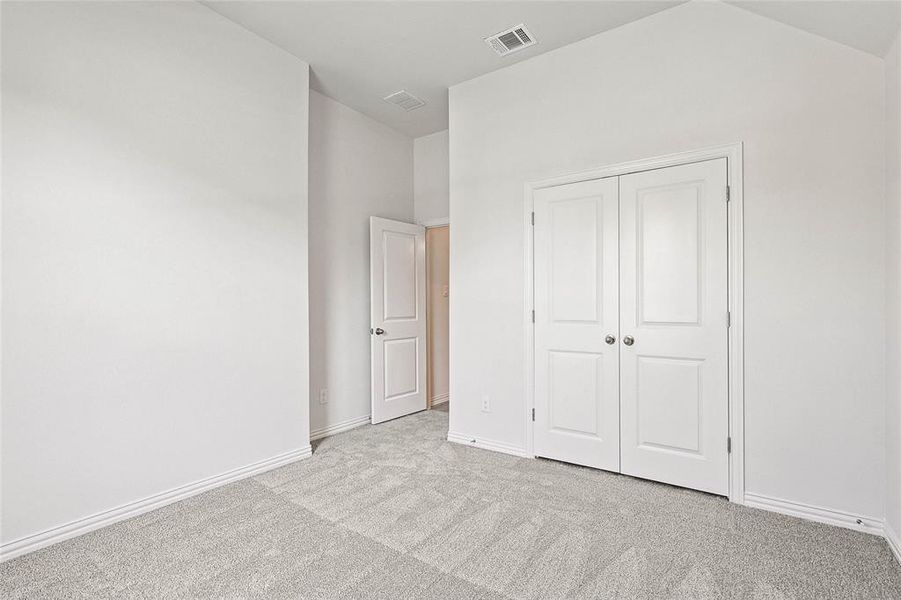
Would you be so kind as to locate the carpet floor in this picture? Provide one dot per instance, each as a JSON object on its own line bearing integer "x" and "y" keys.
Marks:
{"x": 394, "y": 511}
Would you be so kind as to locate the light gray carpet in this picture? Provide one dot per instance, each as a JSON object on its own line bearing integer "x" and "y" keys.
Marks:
{"x": 394, "y": 511}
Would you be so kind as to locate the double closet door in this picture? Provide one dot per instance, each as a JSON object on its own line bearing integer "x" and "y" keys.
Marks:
{"x": 631, "y": 324}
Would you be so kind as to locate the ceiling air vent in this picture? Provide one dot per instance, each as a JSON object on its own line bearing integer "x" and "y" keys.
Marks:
{"x": 405, "y": 100}
{"x": 512, "y": 40}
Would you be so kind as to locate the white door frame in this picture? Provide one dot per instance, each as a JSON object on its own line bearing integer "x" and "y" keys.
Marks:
{"x": 733, "y": 155}
{"x": 430, "y": 223}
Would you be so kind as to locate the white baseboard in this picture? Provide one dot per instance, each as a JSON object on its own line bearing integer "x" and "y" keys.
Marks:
{"x": 459, "y": 438}
{"x": 816, "y": 513}
{"x": 338, "y": 427}
{"x": 894, "y": 541}
{"x": 78, "y": 527}
{"x": 440, "y": 399}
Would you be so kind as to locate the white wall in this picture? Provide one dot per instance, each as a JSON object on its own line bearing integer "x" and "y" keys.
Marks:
{"x": 431, "y": 191}
{"x": 893, "y": 295}
{"x": 358, "y": 168}
{"x": 154, "y": 247}
{"x": 810, "y": 113}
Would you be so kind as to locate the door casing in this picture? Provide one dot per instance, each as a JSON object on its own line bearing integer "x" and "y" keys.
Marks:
{"x": 733, "y": 155}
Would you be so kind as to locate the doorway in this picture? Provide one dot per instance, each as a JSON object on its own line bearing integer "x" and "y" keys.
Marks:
{"x": 437, "y": 244}
{"x": 409, "y": 333}
{"x": 635, "y": 363}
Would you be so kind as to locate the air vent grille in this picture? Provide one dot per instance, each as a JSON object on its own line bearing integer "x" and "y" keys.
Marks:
{"x": 512, "y": 40}
{"x": 405, "y": 100}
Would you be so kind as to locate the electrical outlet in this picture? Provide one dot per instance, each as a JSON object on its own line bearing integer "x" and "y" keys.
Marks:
{"x": 486, "y": 404}
{"x": 323, "y": 396}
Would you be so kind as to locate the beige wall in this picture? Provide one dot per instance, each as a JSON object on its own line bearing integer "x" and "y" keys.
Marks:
{"x": 438, "y": 255}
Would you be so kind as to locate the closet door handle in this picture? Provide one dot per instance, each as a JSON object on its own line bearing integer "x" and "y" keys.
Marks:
{"x": 610, "y": 340}
{"x": 628, "y": 340}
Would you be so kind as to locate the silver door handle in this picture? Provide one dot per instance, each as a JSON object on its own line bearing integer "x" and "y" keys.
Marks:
{"x": 378, "y": 331}
{"x": 628, "y": 340}
{"x": 610, "y": 339}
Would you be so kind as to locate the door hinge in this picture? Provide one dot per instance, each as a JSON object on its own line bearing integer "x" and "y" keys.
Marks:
{"x": 533, "y": 316}
{"x": 533, "y": 218}
{"x": 533, "y": 414}
{"x": 728, "y": 193}
{"x": 729, "y": 445}
{"x": 728, "y": 318}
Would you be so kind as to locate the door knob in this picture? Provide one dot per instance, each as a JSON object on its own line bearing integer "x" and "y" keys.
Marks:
{"x": 379, "y": 331}
{"x": 610, "y": 339}
{"x": 628, "y": 340}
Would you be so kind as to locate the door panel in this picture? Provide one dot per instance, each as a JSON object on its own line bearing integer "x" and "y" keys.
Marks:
{"x": 400, "y": 367}
{"x": 397, "y": 288}
{"x": 673, "y": 294}
{"x": 574, "y": 251}
{"x": 400, "y": 275}
{"x": 576, "y": 383}
{"x": 669, "y": 256}
{"x": 669, "y": 407}
{"x": 576, "y": 372}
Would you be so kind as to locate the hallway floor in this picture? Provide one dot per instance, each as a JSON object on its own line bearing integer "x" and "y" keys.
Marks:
{"x": 395, "y": 511}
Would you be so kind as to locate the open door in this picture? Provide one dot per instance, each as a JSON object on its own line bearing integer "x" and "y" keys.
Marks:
{"x": 398, "y": 317}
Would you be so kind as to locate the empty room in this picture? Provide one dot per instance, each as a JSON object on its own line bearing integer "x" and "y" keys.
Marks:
{"x": 507, "y": 299}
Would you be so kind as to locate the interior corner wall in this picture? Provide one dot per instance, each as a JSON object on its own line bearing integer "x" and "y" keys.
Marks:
{"x": 810, "y": 113}
{"x": 431, "y": 186}
{"x": 358, "y": 168}
{"x": 893, "y": 295}
{"x": 154, "y": 257}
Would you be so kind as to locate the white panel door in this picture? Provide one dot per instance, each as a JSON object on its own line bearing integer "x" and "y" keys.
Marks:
{"x": 398, "y": 317}
{"x": 673, "y": 304}
{"x": 576, "y": 370}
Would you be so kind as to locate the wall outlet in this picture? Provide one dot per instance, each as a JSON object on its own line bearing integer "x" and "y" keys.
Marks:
{"x": 323, "y": 396}
{"x": 486, "y": 404}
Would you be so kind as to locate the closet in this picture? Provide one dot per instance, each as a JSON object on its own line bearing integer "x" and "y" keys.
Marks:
{"x": 631, "y": 324}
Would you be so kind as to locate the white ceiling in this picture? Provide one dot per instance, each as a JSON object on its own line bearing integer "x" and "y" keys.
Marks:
{"x": 868, "y": 25}
{"x": 360, "y": 51}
